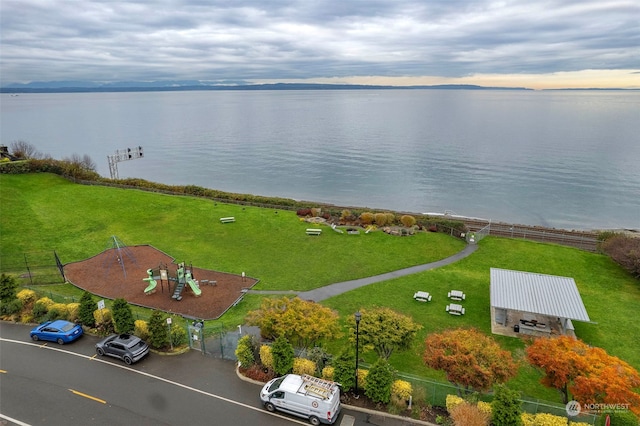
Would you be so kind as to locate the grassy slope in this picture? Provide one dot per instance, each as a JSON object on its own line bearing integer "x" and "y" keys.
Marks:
{"x": 44, "y": 212}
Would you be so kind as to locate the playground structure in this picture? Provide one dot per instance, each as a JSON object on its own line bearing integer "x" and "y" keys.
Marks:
{"x": 102, "y": 275}
{"x": 182, "y": 278}
{"x": 121, "y": 252}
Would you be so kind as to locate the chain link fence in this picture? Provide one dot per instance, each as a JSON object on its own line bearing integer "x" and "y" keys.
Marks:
{"x": 216, "y": 340}
{"x": 32, "y": 268}
{"x": 436, "y": 394}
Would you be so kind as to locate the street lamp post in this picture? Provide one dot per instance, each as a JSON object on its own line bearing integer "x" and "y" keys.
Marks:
{"x": 358, "y": 316}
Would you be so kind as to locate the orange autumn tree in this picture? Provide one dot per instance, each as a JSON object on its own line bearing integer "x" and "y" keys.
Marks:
{"x": 589, "y": 373}
{"x": 470, "y": 359}
{"x": 561, "y": 359}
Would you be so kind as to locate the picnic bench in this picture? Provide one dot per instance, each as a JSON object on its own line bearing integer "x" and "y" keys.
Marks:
{"x": 456, "y": 295}
{"x": 455, "y": 309}
{"x": 533, "y": 323}
{"x": 422, "y": 296}
{"x": 314, "y": 231}
{"x": 534, "y": 330}
{"x": 227, "y": 219}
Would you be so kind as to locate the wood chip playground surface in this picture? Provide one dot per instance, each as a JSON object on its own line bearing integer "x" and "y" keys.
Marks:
{"x": 119, "y": 273}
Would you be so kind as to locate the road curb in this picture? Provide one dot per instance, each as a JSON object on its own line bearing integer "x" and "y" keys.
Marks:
{"x": 349, "y": 407}
{"x": 387, "y": 415}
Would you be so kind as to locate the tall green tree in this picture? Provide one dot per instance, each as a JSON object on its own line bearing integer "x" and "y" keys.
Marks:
{"x": 384, "y": 330}
{"x": 158, "y": 332}
{"x": 379, "y": 381}
{"x": 85, "y": 311}
{"x": 123, "y": 317}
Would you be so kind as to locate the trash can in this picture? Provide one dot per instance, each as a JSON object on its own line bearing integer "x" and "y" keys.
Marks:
{"x": 516, "y": 328}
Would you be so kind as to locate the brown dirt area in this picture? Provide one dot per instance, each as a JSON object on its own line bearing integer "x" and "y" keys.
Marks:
{"x": 104, "y": 275}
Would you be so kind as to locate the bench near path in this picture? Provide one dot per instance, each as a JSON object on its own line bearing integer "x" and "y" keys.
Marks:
{"x": 331, "y": 290}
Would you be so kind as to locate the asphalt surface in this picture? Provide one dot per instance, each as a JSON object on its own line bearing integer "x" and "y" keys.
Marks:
{"x": 331, "y": 290}
{"x": 66, "y": 385}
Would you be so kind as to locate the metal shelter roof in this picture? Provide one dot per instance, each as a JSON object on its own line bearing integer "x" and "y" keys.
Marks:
{"x": 537, "y": 293}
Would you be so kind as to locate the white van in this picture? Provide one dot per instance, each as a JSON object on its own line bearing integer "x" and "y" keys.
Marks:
{"x": 304, "y": 396}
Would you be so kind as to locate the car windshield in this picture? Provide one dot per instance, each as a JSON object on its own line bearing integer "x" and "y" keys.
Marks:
{"x": 68, "y": 327}
{"x": 276, "y": 384}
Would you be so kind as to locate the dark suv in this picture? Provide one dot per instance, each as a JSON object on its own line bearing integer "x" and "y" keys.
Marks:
{"x": 127, "y": 347}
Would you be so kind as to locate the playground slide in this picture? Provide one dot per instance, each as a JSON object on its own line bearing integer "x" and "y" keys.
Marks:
{"x": 152, "y": 285}
{"x": 194, "y": 287}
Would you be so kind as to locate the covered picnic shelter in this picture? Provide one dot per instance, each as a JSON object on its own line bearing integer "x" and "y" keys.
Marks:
{"x": 527, "y": 303}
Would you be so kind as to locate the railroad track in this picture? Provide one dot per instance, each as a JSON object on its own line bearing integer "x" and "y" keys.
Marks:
{"x": 584, "y": 240}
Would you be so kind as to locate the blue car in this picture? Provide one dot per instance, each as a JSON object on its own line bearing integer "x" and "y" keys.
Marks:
{"x": 59, "y": 331}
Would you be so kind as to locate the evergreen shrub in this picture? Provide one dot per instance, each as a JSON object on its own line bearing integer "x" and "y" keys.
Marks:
{"x": 283, "y": 355}
{"x": 244, "y": 351}
{"x": 178, "y": 336}
{"x": 141, "y": 329}
{"x": 327, "y": 373}
{"x": 266, "y": 358}
{"x": 379, "y": 381}
{"x": 303, "y": 366}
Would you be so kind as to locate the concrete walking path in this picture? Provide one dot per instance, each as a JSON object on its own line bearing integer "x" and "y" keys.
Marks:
{"x": 331, "y": 290}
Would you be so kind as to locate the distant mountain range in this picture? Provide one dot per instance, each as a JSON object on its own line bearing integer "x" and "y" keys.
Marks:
{"x": 179, "y": 85}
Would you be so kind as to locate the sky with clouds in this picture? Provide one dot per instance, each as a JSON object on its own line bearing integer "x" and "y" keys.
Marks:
{"x": 537, "y": 44}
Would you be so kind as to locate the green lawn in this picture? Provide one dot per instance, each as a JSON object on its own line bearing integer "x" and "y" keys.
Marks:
{"x": 611, "y": 297}
{"x": 43, "y": 212}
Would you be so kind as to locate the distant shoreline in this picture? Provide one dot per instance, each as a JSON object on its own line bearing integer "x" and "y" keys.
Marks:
{"x": 178, "y": 86}
{"x": 70, "y": 87}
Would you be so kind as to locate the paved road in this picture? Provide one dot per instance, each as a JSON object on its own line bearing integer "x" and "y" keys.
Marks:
{"x": 65, "y": 385}
{"x": 331, "y": 290}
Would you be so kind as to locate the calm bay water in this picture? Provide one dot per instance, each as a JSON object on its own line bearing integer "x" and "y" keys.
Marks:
{"x": 561, "y": 159}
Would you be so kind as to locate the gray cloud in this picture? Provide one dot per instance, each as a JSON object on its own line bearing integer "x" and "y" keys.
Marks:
{"x": 306, "y": 39}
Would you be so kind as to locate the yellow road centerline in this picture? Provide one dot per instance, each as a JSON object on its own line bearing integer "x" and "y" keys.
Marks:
{"x": 88, "y": 396}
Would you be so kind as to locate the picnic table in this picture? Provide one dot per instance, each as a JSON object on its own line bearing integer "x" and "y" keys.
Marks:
{"x": 422, "y": 296}
{"x": 455, "y": 309}
{"x": 533, "y": 323}
{"x": 533, "y": 328}
{"x": 456, "y": 295}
